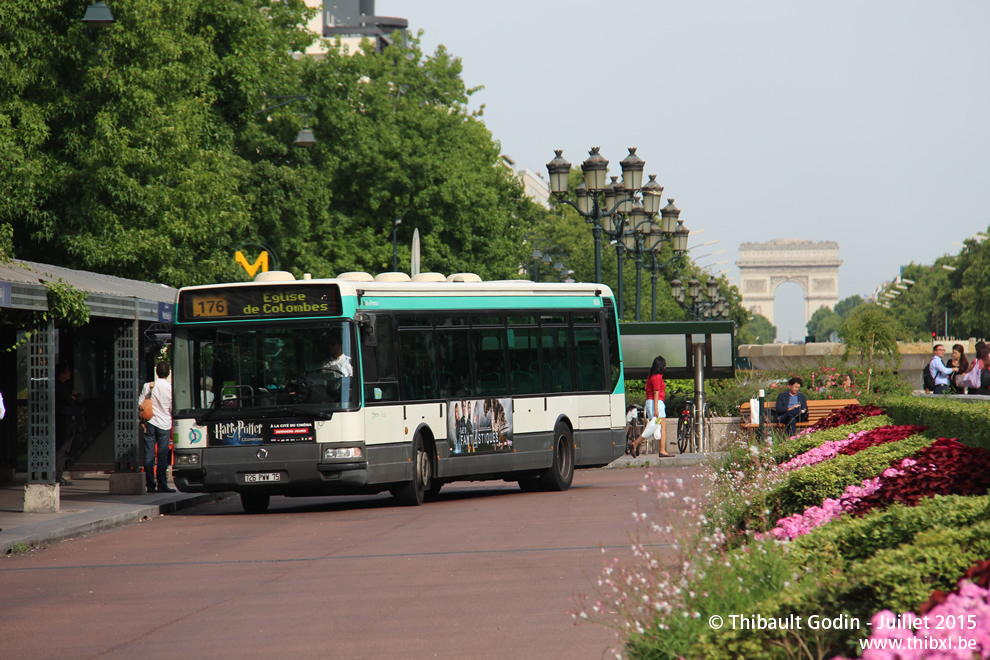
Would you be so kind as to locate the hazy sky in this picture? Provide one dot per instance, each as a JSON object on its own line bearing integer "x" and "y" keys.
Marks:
{"x": 862, "y": 122}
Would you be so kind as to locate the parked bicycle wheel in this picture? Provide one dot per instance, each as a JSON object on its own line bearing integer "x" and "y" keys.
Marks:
{"x": 685, "y": 428}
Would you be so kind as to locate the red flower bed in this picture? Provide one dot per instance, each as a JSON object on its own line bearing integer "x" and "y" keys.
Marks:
{"x": 880, "y": 436}
{"x": 946, "y": 467}
{"x": 848, "y": 415}
{"x": 978, "y": 575}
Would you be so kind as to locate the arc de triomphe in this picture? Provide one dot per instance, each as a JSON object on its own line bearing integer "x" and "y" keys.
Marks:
{"x": 765, "y": 266}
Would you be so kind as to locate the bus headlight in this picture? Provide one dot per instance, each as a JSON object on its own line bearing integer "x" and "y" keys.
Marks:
{"x": 186, "y": 459}
{"x": 342, "y": 452}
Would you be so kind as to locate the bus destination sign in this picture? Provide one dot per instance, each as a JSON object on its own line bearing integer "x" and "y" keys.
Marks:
{"x": 259, "y": 302}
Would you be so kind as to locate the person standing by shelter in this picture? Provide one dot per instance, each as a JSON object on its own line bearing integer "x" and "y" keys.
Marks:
{"x": 655, "y": 407}
{"x": 157, "y": 429}
{"x": 66, "y": 412}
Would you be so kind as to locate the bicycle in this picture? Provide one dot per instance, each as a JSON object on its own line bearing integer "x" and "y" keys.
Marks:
{"x": 686, "y": 423}
{"x": 635, "y": 423}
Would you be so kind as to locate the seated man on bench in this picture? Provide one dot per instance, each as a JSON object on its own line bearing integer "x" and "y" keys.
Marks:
{"x": 791, "y": 406}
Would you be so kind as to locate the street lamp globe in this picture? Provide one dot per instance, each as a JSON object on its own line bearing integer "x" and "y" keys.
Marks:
{"x": 712, "y": 287}
{"x": 681, "y": 238}
{"x": 610, "y": 193}
{"x": 583, "y": 199}
{"x": 669, "y": 217}
{"x": 560, "y": 173}
{"x": 98, "y": 15}
{"x": 595, "y": 170}
{"x": 653, "y": 196}
{"x": 694, "y": 288}
{"x": 632, "y": 170}
{"x": 677, "y": 290}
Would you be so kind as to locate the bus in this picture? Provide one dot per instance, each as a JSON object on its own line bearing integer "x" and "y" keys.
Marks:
{"x": 361, "y": 385}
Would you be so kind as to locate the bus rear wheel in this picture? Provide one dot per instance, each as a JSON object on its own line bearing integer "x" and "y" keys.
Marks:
{"x": 561, "y": 471}
{"x": 413, "y": 492}
{"x": 255, "y": 502}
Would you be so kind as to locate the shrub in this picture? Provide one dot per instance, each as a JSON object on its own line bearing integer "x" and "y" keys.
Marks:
{"x": 811, "y": 485}
{"x": 898, "y": 579}
{"x": 855, "y": 539}
{"x": 946, "y": 417}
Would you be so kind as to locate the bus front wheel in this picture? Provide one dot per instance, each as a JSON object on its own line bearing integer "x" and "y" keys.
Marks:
{"x": 255, "y": 502}
{"x": 413, "y": 492}
{"x": 561, "y": 471}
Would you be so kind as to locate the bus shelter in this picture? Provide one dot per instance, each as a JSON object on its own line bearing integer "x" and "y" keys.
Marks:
{"x": 109, "y": 356}
{"x": 694, "y": 350}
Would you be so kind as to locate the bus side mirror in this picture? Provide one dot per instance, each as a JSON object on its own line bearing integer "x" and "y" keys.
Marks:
{"x": 366, "y": 322}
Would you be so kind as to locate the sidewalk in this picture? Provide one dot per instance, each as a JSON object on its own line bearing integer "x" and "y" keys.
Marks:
{"x": 654, "y": 460}
{"x": 86, "y": 507}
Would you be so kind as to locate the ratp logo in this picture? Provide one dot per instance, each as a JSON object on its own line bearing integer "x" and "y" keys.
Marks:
{"x": 195, "y": 435}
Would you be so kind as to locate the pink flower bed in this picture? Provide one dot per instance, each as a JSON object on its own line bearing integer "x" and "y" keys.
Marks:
{"x": 821, "y": 453}
{"x": 961, "y": 619}
{"x": 799, "y": 524}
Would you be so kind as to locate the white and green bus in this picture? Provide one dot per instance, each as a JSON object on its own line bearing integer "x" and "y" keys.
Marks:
{"x": 363, "y": 385}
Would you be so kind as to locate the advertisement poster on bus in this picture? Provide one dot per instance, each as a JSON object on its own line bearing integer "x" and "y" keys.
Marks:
{"x": 256, "y": 432}
{"x": 479, "y": 426}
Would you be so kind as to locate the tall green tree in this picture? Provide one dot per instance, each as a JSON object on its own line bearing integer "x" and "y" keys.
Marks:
{"x": 870, "y": 334}
{"x": 757, "y": 330}
{"x": 155, "y": 159}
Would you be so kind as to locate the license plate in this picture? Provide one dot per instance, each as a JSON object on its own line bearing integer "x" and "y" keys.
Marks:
{"x": 262, "y": 477}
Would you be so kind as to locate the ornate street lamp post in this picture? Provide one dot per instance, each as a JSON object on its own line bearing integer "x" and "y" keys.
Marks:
{"x": 702, "y": 309}
{"x": 613, "y": 219}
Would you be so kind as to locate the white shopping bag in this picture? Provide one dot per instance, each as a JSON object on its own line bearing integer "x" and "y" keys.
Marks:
{"x": 651, "y": 428}
{"x": 657, "y": 434}
{"x": 754, "y": 411}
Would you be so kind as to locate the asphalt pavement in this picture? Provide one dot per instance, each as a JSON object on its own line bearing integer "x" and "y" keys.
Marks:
{"x": 86, "y": 507}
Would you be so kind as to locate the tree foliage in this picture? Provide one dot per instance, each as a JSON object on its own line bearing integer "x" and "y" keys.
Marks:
{"x": 824, "y": 324}
{"x": 150, "y": 159}
{"x": 870, "y": 334}
{"x": 758, "y": 330}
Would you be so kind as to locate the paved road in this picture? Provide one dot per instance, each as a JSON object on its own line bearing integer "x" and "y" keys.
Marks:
{"x": 485, "y": 572}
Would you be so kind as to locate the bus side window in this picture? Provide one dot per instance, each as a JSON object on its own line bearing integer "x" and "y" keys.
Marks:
{"x": 558, "y": 363}
{"x": 488, "y": 351}
{"x": 419, "y": 374}
{"x": 378, "y": 364}
{"x": 524, "y": 360}
{"x": 589, "y": 359}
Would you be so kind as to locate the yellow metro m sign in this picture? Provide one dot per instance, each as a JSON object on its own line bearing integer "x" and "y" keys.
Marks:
{"x": 251, "y": 269}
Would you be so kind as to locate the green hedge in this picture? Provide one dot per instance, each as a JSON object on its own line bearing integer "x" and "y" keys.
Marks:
{"x": 899, "y": 579}
{"x": 856, "y": 539}
{"x": 945, "y": 417}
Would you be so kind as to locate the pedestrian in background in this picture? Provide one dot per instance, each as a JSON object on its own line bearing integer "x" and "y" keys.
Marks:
{"x": 157, "y": 430}
{"x": 961, "y": 364}
{"x": 66, "y": 414}
{"x": 655, "y": 406}
{"x": 939, "y": 372}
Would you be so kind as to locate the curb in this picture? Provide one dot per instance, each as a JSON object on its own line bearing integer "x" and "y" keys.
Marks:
{"x": 85, "y": 524}
{"x": 652, "y": 460}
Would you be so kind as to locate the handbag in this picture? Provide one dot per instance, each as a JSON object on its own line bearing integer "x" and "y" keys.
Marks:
{"x": 972, "y": 377}
{"x": 145, "y": 411}
{"x": 651, "y": 428}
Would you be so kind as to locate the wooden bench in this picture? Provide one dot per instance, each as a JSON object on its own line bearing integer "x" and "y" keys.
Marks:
{"x": 817, "y": 409}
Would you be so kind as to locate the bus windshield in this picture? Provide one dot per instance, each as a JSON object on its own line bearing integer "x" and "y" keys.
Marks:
{"x": 261, "y": 366}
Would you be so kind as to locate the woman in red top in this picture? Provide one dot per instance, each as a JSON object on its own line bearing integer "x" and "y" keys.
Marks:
{"x": 655, "y": 407}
